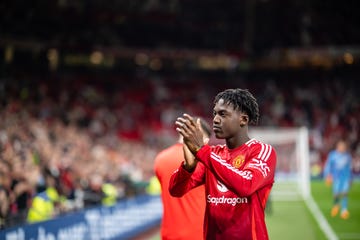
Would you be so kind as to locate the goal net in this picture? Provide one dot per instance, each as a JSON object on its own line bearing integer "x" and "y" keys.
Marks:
{"x": 292, "y": 176}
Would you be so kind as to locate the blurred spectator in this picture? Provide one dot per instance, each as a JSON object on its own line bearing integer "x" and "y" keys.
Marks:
{"x": 46, "y": 204}
{"x": 100, "y": 192}
{"x": 4, "y": 195}
{"x": 93, "y": 193}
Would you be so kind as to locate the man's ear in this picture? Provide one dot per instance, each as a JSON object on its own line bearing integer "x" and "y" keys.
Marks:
{"x": 244, "y": 120}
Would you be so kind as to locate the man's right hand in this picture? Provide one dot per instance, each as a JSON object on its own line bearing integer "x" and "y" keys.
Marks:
{"x": 190, "y": 159}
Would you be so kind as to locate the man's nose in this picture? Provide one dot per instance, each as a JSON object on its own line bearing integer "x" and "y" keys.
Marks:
{"x": 216, "y": 119}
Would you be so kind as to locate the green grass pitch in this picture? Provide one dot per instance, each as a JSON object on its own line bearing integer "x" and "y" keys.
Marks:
{"x": 344, "y": 229}
{"x": 293, "y": 220}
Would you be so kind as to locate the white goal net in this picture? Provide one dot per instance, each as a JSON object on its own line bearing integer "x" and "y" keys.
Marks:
{"x": 292, "y": 177}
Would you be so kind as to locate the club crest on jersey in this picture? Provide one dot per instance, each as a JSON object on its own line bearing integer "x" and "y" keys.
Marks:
{"x": 221, "y": 187}
{"x": 238, "y": 161}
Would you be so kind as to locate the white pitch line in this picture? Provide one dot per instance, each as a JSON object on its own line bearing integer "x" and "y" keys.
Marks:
{"x": 323, "y": 223}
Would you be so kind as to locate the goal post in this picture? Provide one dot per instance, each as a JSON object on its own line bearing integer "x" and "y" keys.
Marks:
{"x": 292, "y": 176}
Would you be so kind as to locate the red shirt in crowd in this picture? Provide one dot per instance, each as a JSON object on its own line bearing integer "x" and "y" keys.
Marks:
{"x": 237, "y": 182}
{"x": 183, "y": 218}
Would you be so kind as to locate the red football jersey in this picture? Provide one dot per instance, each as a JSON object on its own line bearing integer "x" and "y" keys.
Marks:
{"x": 237, "y": 182}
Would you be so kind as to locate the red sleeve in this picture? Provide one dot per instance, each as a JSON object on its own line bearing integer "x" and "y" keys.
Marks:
{"x": 258, "y": 170}
{"x": 182, "y": 181}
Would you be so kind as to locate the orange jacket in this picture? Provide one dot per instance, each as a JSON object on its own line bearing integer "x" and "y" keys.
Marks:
{"x": 182, "y": 217}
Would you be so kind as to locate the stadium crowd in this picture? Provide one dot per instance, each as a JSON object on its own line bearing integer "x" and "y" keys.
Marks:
{"x": 85, "y": 132}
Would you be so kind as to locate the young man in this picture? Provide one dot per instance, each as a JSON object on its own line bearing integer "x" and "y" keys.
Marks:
{"x": 337, "y": 171}
{"x": 182, "y": 217}
{"x": 238, "y": 176}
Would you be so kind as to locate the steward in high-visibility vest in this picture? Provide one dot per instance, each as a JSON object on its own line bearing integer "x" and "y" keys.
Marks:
{"x": 110, "y": 194}
{"x": 43, "y": 205}
{"x": 154, "y": 187}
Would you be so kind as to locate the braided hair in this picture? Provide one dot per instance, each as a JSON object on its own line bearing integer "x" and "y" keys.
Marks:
{"x": 242, "y": 100}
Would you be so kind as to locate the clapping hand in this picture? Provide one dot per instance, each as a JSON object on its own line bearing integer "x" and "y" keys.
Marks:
{"x": 191, "y": 131}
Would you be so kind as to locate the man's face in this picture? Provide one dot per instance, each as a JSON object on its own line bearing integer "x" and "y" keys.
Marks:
{"x": 341, "y": 146}
{"x": 226, "y": 121}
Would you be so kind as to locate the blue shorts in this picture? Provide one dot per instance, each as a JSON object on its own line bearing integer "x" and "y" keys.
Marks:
{"x": 341, "y": 186}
